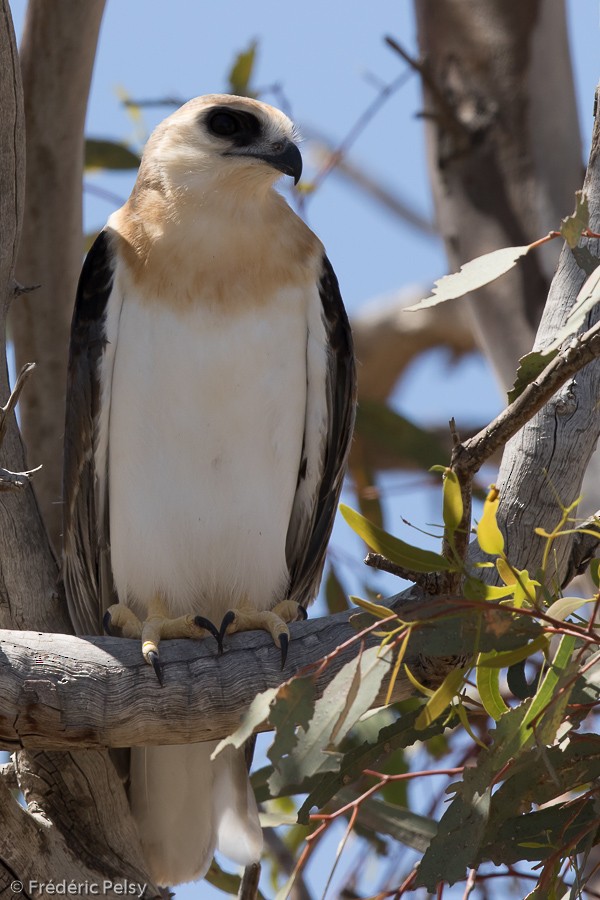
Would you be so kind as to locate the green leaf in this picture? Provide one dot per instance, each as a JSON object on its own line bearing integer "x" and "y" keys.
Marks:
{"x": 225, "y": 881}
{"x": 452, "y": 501}
{"x": 384, "y": 432}
{"x": 258, "y": 712}
{"x": 473, "y": 275}
{"x": 587, "y": 298}
{"x": 488, "y": 685}
{"x": 393, "y": 548}
{"x": 538, "y": 778}
{"x": 594, "y": 571}
{"x": 462, "y": 827}
{"x": 494, "y": 660}
{"x": 294, "y": 706}
{"x": 550, "y": 714}
{"x": 572, "y": 226}
{"x": 336, "y": 597}
{"x": 345, "y": 699}
{"x": 474, "y": 589}
{"x": 530, "y": 366}
{"x": 376, "y": 609}
{"x": 105, "y": 154}
{"x": 537, "y": 835}
{"x": 409, "y": 828}
{"x": 441, "y": 698}
{"x": 564, "y": 606}
{"x": 489, "y": 536}
{"x": 396, "y": 736}
{"x": 241, "y": 71}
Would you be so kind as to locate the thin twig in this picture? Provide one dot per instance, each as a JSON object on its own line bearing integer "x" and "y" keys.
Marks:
{"x": 429, "y": 583}
{"x": 285, "y": 860}
{"x": 470, "y": 455}
{"x": 5, "y": 411}
{"x": 15, "y": 481}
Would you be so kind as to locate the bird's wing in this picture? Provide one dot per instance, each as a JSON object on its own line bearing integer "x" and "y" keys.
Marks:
{"x": 330, "y": 406}
{"x": 86, "y": 564}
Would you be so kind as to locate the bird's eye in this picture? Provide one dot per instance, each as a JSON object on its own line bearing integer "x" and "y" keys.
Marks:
{"x": 224, "y": 124}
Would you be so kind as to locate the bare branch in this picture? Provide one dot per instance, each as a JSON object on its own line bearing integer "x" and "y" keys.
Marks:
{"x": 471, "y": 455}
{"x": 429, "y": 583}
{"x": 14, "y": 481}
{"x": 59, "y": 692}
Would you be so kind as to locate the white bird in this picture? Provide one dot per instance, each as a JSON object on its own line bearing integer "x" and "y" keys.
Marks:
{"x": 209, "y": 417}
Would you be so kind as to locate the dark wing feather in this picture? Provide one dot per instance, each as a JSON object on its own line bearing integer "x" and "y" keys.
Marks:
{"x": 86, "y": 564}
{"x": 307, "y": 539}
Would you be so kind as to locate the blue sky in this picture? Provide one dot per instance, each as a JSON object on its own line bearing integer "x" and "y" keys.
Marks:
{"x": 326, "y": 57}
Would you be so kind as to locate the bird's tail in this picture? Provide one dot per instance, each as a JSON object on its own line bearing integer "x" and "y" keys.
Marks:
{"x": 186, "y": 806}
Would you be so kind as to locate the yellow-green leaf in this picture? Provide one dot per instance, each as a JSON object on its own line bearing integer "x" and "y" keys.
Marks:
{"x": 564, "y": 606}
{"x": 400, "y": 652}
{"x": 506, "y": 571}
{"x": 489, "y": 535}
{"x": 441, "y": 698}
{"x": 488, "y": 685}
{"x": 464, "y": 721}
{"x": 595, "y": 571}
{"x": 427, "y": 692}
{"x": 241, "y": 72}
{"x": 494, "y": 660}
{"x": 452, "y": 501}
{"x": 380, "y": 612}
{"x": 397, "y": 551}
{"x": 474, "y": 589}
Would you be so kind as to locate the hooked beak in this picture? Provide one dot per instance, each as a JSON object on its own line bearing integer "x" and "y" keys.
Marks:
{"x": 282, "y": 155}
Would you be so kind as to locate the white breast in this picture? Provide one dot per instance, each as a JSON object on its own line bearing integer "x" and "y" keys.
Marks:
{"x": 207, "y": 415}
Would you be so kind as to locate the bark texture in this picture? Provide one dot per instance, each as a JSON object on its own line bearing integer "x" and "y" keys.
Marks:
{"x": 544, "y": 464}
{"x": 504, "y": 148}
{"x": 57, "y": 57}
{"x": 85, "y": 830}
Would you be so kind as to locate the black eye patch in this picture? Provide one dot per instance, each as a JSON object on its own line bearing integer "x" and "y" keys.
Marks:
{"x": 241, "y": 128}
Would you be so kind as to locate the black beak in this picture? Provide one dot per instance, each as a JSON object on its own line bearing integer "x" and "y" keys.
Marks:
{"x": 283, "y": 156}
{"x": 287, "y": 160}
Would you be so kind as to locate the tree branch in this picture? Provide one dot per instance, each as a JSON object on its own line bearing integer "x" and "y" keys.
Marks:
{"x": 472, "y": 454}
{"x": 60, "y": 692}
{"x": 58, "y": 48}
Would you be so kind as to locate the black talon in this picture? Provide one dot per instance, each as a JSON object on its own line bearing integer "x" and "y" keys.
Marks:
{"x": 302, "y": 614}
{"x": 106, "y": 623}
{"x": 201, "y": 622}
{"x": 228, "y": 618}
{"x": 284, "y": 642}
{"x": 155, "y": 661}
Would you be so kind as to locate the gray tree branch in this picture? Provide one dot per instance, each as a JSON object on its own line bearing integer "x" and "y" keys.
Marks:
{"x": 503, "y": 165}
{"x": 58, "y": 48}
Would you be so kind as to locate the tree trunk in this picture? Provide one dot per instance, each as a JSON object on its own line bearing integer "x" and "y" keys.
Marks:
{"x": 504, "y": 149}
{"x": 57, "y": 57}
{"x": 85, "y": 831}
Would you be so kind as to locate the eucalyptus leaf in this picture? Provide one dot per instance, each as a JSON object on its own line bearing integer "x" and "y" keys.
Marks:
{"x": 473, "y": 275}
{"x": 393, "y": 548}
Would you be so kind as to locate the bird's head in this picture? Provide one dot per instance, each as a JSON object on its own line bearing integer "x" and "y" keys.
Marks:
{"x": 220, "y": 136}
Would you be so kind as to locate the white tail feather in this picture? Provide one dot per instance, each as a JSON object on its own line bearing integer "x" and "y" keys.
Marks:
{"x": 185, "y": 806}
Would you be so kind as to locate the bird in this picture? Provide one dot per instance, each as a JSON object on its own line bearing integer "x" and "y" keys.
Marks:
{"x": 210, "y": 405}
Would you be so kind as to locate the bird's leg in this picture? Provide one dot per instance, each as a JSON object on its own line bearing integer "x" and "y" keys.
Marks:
{"x": 119, "y": 619}
{"x": 246, "y": 617}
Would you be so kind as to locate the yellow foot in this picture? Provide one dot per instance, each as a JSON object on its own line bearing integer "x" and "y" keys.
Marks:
{"x": 119, "y": 620}
{"x": 247, "y": 618}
